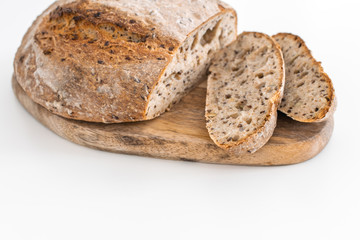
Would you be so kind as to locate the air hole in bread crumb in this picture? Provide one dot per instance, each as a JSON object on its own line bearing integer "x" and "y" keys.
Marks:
{"x": 300, "y": 84}
{"x": 196, "y": 40}
{"x": 241, "y": 105}
{"x": 261, "y": 85}
{"x": 235, "y": 138}
{"x": 303, "y": 75}
{"x": 260, "y": 75}
{"x": 209, "y": 35}
{"x": 178, "y": 76}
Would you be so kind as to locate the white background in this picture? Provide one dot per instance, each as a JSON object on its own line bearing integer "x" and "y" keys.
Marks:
{"x": 53, "y": 189}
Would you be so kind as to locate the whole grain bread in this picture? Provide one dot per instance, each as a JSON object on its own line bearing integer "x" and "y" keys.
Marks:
{"x": 118, "y": 60}
{"x": 243, "y": 93}
{"x": 309, "y": 95}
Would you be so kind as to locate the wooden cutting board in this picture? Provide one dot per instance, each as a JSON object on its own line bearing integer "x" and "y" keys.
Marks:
{"x": 180, "y": 134}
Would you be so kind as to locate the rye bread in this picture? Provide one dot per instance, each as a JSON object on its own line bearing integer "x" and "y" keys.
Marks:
{"x": 118, "y": 60}
{"x": 243, "y": 93}
{"x": 309, "y": 95}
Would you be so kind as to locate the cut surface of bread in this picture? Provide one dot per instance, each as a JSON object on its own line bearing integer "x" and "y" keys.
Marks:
{"x": 244, "y": 90}
{"x": 190, "y": 63}
{"x": 309, "y": 93}
{"x": 118, "y": 61}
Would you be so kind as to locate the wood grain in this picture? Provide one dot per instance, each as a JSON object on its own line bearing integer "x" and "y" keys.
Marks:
{"x": 180, "y": 134}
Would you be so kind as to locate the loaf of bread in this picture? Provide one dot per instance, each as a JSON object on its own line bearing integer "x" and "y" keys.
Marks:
{"x": 119, "y": 60}
{"x": 244, "y": 90}
{"x": 309, "y": 94}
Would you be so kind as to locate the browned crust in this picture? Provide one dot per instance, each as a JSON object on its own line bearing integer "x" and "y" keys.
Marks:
{"x": 329, "y": 110}
{"x": 80, "y": 57}
{"x": 262, "y": 135}
{"x": 128, "y": 106}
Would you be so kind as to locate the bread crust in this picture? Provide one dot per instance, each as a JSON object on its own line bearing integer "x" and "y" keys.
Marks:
{"x": 260, "y": 137}
{"x": 330, "y": 108}
{"x": 98, "y": 61}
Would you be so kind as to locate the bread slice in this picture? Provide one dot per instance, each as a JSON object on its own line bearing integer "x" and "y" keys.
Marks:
{"x": 309, "y": 93}
{"x": 244, "y": 90}
{"x": 118, "y": 61}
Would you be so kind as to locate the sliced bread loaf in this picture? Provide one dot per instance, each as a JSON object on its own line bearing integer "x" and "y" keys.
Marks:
{"x": 117, "y": 61}
{"x": 309, "y": 94}
{"x": 244, "y": 90}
